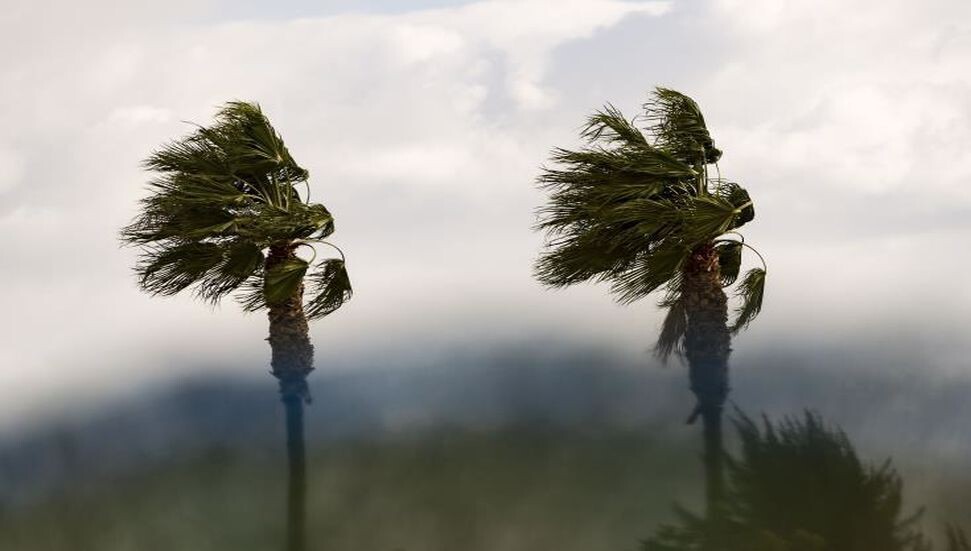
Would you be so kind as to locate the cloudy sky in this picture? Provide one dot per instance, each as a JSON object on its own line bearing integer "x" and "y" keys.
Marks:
{"x": 424, "y": 123}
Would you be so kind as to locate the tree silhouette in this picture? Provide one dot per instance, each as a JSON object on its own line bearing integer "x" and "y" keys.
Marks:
{"x": 641, "y": 212}
{"x": 799, "y": 485}
{"x": 225, "y": 217}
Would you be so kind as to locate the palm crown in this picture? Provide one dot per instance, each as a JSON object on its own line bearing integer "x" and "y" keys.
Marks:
{"x": 629, "y": 208}
{"x": 224, "y": 196}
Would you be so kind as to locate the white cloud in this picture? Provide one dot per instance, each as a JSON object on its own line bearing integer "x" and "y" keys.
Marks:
{"x": 418, "y": 129}
{"x": 140, "y": 114}
{"x": 865, "y": 97}
{"x": 11, "y": 169}
{"x": 423, "y": 131}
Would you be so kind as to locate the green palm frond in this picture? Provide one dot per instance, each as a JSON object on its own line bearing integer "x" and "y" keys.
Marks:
{"x": 629, "y": 207}
{"x": 300, "y": 221}
{"x": 729, "y": 261}
{"x": 610, "y": 125}
{"x": 252, "y": 140}
{"x": 241, "y": 150}
{"x": 221, "y": 197}
{"x": 708, "y": 217}
{"x": 581, "y": 257}
{"x": 165, "y": 218}
{"x": 679, "y": 127}
{"x": 674, "y": 327}
{"x": 282, "y": 280}
{"x": 650, "y": 271}
{"x": 591, "y": 165}
{"x": 241, "y": 143}
{"x": 648, "y": 215}
{"x": 250, "y": 295}
{"x": 193, "y": 154}
{"x": 751, "y": 291}
{"x": 737, "y": 196}
{"x": 212, "y": 270}
{"x": 201, "y": 189}
{"x": 171, "y": 269}
{"x": 241, "y": 260}
{"x": 330, "y": 286}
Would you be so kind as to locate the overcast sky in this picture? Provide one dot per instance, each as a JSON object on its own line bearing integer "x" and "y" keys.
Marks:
{"x": 424, "y": 123}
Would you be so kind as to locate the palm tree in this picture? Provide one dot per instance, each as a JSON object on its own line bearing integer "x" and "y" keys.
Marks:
{"x": 225, "y": 217}
{"x": 799, "y": 485}
{"x": 640, "y": 211}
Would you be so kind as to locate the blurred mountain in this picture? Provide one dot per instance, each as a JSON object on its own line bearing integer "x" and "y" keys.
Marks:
{"x": 894, "y": 412}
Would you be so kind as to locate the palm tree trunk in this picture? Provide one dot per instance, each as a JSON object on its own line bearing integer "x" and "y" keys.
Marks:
{"x": 292, "y": 361}
{"x": 296, "y": 486}
{"x": 707, "y": 346}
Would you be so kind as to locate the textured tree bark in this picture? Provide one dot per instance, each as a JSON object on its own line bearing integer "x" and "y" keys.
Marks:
{"x": 707, "y": 347}
{"x": 292, "y": 353}
{"x": 291, "y": 361}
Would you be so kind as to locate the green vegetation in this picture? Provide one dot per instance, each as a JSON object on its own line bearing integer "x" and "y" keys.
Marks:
{"x": 799, "y": 485}
{"x": 503, "y": 490}
{"x": 495, "y": 491}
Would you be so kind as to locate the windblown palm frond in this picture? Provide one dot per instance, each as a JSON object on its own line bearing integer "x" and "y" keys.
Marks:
{"x": 679, "y": 127}
{"x": 738, "y": 197}
{"x": 751, "y": 291}
{"x": 611, "y": 126}
{"x": 281, "y": 281}
{"x": 222, "y": 196}
{"x": 729, "y": 261}
{"x": 331, "y": 288}
{"x": 628, "y": 207}
{"x": 674, "y": 327}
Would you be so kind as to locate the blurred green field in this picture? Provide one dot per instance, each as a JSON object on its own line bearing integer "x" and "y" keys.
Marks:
{"x": 509, "y": 490}
{"x": 574, "y": 458}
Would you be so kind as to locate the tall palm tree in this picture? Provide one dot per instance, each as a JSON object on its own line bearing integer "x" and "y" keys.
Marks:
{"x": 639, "y": 210}
{"x": 225, "y": 216}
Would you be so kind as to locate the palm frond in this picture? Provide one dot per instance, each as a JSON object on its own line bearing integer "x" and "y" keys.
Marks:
{"x": 739, "y": 197}
{"x": 708, "y": 217}
{"x": 252, "y": 144}
{"x": 673, "y": 329}
{"x": 581, "y": 257}
{"x": 650, "y": 271}
{"x": 610, "y": 125}
{"x": 167, "y": 218}
{"x": 167, "y": 270}
{"x": 628, "y": 207}
{"x": 222, "y": 195}
{"x": 678, "y": 126}
{"x": 203, "y": 189}
{"x": 241, "y": 260}
{"x": 193, "y": 154}
{"x": 242, "y": 147}
{"x": 729, "y": 261}
{"x": 212, "y": 270}
{"x": 250, "y": 294}
{"x": 331, "y": 288}
{"x": 597, "y": 162}
{"x": 281, "y": 281}
{"x": 751, "y": 291}
{"x": 300, "y": 221}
